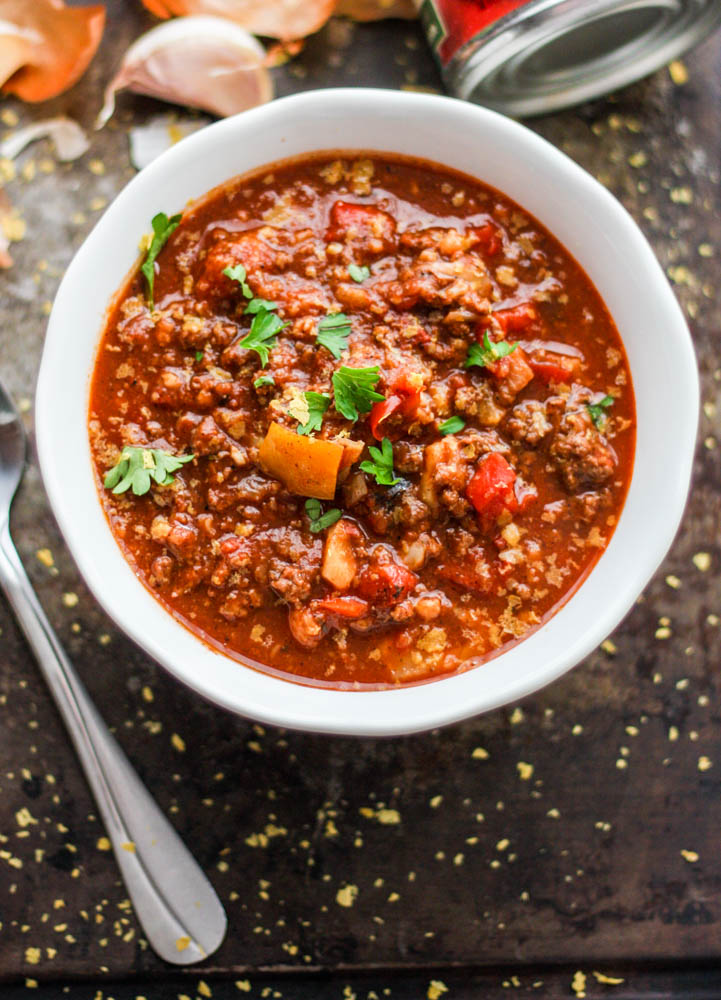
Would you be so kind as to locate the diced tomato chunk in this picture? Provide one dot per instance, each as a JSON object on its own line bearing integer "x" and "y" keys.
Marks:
{"x": 550, "y": 367}
{"x": 513, "y": 372}
{"x": 467, "y": 578}
{"x": 516, "y": 318}
{"x": 345, "y": 606}
{"x": 372, "y": 227}
{"x": 386, "y": 583}
{"x": 405, "y": 406}
{"x": 490, "y": 237}
{"x": 491, "y": 488}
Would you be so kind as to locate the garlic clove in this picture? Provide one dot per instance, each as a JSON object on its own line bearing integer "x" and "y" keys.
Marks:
{"x": 199, "y": 62}
{"x": 69, "y": 139}
{"x": 285, "y": 19}
{"x": 45, "y": 47}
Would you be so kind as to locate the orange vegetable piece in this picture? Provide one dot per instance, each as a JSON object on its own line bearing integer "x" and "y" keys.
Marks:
{"x": 50, "y": 48}
{"x": 286, "y": 19}
{"x": 306, "y": 466}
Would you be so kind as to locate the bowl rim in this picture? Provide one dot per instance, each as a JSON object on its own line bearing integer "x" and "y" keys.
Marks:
{"x": 392, "y": 711}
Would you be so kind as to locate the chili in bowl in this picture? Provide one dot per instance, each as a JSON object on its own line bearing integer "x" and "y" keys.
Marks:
{"x": 359, "y": 420}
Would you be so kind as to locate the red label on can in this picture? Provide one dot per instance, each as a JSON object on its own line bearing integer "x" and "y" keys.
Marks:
{"x": 450, "y": 24}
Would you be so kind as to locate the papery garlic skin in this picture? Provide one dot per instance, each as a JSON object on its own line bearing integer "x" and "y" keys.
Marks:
{"x": 197, "y": 62}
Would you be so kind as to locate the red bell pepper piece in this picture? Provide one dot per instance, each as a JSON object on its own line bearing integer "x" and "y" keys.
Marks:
{"x": 516, "y": 318}
{"x": 386, "y": 583}
{"x": 491, "y": 488}
{"x": 345, "y": 606}
{"x": 550, "y": 367}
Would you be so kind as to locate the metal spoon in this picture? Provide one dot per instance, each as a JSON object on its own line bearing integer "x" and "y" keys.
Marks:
{"x": 179, "y": 911}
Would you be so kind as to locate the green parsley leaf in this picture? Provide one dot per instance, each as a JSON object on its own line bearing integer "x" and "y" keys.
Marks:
{"x": 199, "y": 355}
{"x": 353, "y": 390}
{"x": 138, "y": 466}
{"x": 596, "y": 410}
{"x": 255, "y": 305}
{"x": 452, "y": 425}
{"x": 319, "y": 520}
{"x": 162, "y": 228}
{"x": 333, "y": 333}
{"x": 311, "y": 417}
{"x": 239, "y": 274}
{"x": 489, "y": 352}
{"x": 382, "y": 465}
{"x": 359, "y": 274}
{"x": 261, "y": 336}
{"x": 264, "y": 380}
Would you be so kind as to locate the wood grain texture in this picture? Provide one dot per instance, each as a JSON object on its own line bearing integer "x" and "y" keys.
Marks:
{"x": 579, "y": 829}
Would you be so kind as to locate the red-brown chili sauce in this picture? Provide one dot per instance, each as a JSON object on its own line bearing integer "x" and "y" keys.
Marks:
{"x": 488, "y": 529}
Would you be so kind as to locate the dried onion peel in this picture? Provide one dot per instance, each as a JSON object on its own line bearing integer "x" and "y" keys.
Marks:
{"x": 374, "y": 10}
{"x": 199, "y": 62}
{"x": 285, "y": 19}
{"x": 45, "y": 47}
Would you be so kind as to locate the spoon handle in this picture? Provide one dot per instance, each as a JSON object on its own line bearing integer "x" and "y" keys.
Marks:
{"x": 175, "y": 903}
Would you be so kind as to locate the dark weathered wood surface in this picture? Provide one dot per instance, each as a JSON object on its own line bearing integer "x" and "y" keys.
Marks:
{"x": 579, "y": 831}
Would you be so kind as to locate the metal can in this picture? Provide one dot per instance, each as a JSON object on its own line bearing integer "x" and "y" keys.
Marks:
{"x": 529, "y": 57}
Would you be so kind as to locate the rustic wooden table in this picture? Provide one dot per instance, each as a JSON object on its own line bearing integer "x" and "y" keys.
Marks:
{"x": 574, "y": 839}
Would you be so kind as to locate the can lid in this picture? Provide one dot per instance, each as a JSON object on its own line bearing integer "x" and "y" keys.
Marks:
{"x": 551, "y": 54}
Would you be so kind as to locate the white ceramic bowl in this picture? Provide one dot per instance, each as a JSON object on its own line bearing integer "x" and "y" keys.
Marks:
{"x": 592, "y": 226}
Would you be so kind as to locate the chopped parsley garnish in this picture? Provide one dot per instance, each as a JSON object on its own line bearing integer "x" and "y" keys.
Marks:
{"x": 597, "y": 410}
{"x": 308, "y": 410}
{"x": 382, "y": 465}
{"x": 452, "y": 425}
{"x": 333, "y": 333}
{"x": 490, "y": 351}
{"x": 162, "y": 228}
{"x": 359, "y": 273}
{"x": 263, "y": 331}
{"x": 137, "y": 466}
{"x": 255, "y": 305}
{"x": 319, "y": 520}
{"x": 264, "y": 380}
{"x": 354, "y": 390}
{"x": 199, "y": 355}
{"x": 239, "y": 274}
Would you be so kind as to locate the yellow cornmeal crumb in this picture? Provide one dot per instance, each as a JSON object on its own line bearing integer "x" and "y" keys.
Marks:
{"x": 204, "y": 989}
{"x": 33, "y": 956}
{"x": 347, "y": 895}
{"x": 607, "y": 980}
{"x": 637, "y": 160}
{"x": 525, "y": 771}
{"x": 128, "y": 846}
{"x": 673, "y": 581}
{"x": 24, "y": 818}
{"x": 388, "y": 817}
{"x": 257, "y": 633}
{"x": 578, "y": 984}
{"x": 704, "y": 764}
{"x": 96, "y": 167}
{"x": 610, "y": 647}
{"x": 436, "y": 989}
{"x": 103, "y": 844}
{"x": 45, "y": 556}
{"x": 690, "y": 856}
{"x": 9, "y": 117}
{"x": 678, "y": 72}
{"x": 702, "y": 561}
{"x": 178, "y": 742}
{"x": 243, "y": 985}
{"x": 70, "y": 599}
{"x": 182, "y": 943}
{"x": 480, "y": 754}
{"x": 147, "y": 694}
